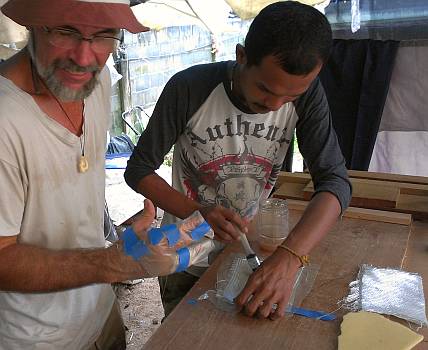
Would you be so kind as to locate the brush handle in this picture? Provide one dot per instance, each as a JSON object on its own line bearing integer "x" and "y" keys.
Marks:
{"x": 245, "y": 244}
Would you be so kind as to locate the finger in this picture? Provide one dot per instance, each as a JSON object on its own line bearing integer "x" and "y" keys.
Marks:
{"x": 222, "y": 236}
{"x": 146, "y": 218}
{"x": 243, "y": 298}
{"x": 247, "y": 297}
{"x": 228, "y": 228}
{"x": 281, "y": 306}
{"x": 219, "y": 232}
{"x": 266, "y": 309}
{"x": 256, "y": 302}
{"x": 149, "y": 210}
{"x": 279, "y": 312}
{"x": 235, "y": 219}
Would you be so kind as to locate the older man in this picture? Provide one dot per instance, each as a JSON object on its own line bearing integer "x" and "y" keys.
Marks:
{"x": 54, "y": 115}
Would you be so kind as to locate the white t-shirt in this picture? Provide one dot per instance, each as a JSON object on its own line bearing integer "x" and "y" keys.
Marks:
{"x": 50, "y": 204}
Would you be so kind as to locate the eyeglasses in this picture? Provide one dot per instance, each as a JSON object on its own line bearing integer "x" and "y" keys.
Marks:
{"x": 70, "y": 39}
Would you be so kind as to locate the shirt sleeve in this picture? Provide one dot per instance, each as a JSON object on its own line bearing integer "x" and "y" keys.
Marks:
{"x": 11, "y": 200}
{"x": 166, "y": 124}
{"x": 318, "y": 144}
{"x": 14, "y": 184}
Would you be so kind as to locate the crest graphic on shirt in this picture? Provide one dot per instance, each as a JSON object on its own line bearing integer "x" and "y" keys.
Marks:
{"x": 234, "y": 181}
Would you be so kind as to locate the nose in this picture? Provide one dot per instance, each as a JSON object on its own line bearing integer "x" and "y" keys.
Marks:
{"x": 274, "y": 103}
{"x": 83, "y": 55}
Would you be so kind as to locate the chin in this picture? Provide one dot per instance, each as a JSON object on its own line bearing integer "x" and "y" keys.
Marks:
{"x": 260, "y": 110}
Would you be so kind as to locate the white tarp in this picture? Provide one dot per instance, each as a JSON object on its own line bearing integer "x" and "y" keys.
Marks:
{"x": 10, "y": 32}
{"x": 212, "y": 14}
{"x": 402, "y": 141}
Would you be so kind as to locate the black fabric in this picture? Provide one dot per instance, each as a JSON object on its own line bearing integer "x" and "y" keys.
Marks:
{"x": 287, "y": 165}
{"x": 120, "y": 144}
{"x": 356, "y": 80}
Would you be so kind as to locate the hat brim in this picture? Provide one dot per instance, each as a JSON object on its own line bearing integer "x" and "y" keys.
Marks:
{"x": 53, "y": 13}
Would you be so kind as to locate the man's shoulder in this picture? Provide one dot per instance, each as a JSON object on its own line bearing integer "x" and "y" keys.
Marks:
{"x": 203, "y": 73}
{"x": 12, "y": 97}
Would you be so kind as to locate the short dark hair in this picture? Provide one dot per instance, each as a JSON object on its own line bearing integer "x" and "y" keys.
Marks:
{"x": 298, "y": 35}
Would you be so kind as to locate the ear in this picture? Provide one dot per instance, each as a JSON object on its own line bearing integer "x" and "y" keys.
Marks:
{"x": 241, "y": 57}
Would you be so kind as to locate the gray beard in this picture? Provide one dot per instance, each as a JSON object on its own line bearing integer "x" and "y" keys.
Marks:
{"x": 61, "y": 92}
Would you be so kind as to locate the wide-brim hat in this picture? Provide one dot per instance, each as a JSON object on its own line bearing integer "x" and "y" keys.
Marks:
{"x": 52, "y": 13}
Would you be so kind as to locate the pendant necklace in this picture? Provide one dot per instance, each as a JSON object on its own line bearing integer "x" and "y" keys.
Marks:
{"x": 82, "y": 164}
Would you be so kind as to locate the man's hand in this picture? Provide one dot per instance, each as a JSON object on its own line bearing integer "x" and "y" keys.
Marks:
{"x": 223, "y": 222}
{"x": 143, "y": 222}
{"x": 272, "y": 283}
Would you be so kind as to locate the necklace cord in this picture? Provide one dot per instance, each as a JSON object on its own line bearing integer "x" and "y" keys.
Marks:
{"x": 37, "y": 79}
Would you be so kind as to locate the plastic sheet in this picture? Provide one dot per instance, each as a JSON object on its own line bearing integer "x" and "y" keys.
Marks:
{"x": 355, "y": 16}
{"x": 171, "y": 248}
{"x": 234, "y": 272}
{"x": 388, "y": 291}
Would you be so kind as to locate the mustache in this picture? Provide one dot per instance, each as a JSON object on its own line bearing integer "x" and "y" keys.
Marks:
{"x": 72, "y": 66}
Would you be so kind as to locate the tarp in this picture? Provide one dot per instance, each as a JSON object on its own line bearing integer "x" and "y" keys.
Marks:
{"x": 247, "y": 9}
{"x": 157, "y": 14}
{"x": 10, "y": 32}
{"x": 212, "y": 14}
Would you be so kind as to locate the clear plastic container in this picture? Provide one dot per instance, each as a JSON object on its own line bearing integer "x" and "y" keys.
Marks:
{"x": 272, "y": 223}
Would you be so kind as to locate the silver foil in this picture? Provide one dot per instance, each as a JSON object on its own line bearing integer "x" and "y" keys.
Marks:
{"x": 388, "y": 291}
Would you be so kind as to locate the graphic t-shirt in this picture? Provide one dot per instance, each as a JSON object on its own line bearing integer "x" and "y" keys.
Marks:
{"x": 226, "y": 155}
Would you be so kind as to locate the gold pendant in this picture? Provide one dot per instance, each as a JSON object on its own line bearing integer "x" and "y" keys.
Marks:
{"x": 83, "y": 164}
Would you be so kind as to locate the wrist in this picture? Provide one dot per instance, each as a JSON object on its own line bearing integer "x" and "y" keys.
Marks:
{"x": 300, "y": 260}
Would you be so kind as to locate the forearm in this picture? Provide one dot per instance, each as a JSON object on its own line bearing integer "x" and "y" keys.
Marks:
{"x": 167, "y": 198}
{"x": 26, "y": 268}
{"x": 317, "y": 220}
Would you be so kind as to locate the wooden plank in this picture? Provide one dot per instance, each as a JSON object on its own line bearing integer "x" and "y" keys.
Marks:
{"x": 290, "y": 191}
{"x": 385, "y": 177}
{"x": 287, "y": 177}
{"x": 423, "y": 180}
{"x": 351, "y": 243}
{"x": 362, "y": 213}
{"x": 411, "y": 198}
{"x": 415, "y": 205}
{"x": 366, "y": 194}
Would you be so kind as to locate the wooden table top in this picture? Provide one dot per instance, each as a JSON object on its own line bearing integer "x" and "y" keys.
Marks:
{"x": 351, "y": 243}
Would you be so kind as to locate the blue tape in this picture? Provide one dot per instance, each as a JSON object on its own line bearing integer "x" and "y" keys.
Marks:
{"x": 183, "y": 259}
{"x": 155, "y": 235}
{"x": 139, "y": 249}
{"x": 199, "y": 231}
{"x": 129, "y": 239}
{"x": 313, "y": 314}
{"x": 132, "y": 245}
{"x": 172, "y": 234}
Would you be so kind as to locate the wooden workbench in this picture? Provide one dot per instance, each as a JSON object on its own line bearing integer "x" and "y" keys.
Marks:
{"x": 351, "y": 243}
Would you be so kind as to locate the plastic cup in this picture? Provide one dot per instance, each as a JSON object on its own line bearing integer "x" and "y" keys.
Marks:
{"x": 272, "y": 224}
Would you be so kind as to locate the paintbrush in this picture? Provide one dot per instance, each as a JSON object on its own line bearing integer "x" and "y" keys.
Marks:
{"x": 252, "y": 258}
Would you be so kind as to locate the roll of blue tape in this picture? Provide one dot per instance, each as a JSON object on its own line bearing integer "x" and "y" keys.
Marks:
{"x": 199, "y": 231}
{"x": 183, "y": 259}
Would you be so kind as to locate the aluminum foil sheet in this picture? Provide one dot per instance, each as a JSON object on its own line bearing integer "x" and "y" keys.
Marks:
{"x": 388, "y": 291}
